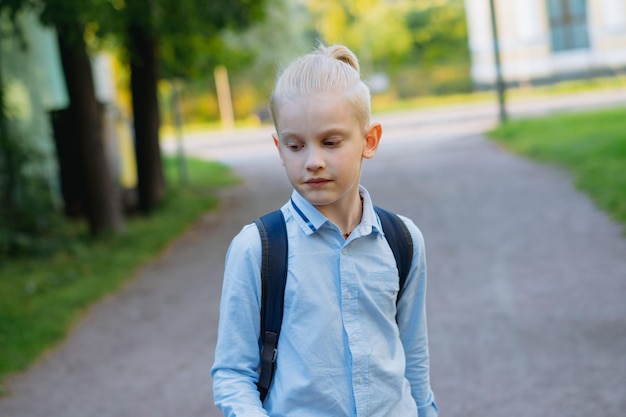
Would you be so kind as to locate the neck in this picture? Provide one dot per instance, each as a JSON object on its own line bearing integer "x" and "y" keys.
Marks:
{"x": 346, "y": 216}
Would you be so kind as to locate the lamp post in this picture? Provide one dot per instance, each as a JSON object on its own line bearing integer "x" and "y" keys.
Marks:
{"x": 177, "y": 118}
{"x": 500, "y": 87}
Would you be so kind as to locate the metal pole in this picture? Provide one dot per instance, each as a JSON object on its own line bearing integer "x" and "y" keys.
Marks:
{"x": 500, "y": 87}
{"x": 178, "y": 127}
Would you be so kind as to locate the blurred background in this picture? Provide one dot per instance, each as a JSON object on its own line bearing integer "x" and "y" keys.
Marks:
{"x": 101, "y": 82}
{"x": 92, "y": 90}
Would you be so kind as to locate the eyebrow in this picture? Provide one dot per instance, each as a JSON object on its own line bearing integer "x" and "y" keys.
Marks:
{"x": 287, "y": 136}
{"x": 333, "y": 131}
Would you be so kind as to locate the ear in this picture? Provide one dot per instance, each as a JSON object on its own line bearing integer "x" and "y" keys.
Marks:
{"x": 277, "y": 144}
{"x": 372, "y": 139}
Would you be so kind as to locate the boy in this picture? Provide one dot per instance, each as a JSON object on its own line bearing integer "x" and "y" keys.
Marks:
{"x": 346, "y": 348}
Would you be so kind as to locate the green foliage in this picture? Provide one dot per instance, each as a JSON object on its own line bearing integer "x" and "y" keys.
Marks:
{"x": 188, "y": 30}
{"x": 393, "y": 34}
{"x": 40, "y": 298}
{"x": 28, "y": 218}
{"x": 421, "y": 46}
{"x": 439, "y": 33}
{"x": 440, "y": 80}
{"x": 592, "y": 146}
{"x": 266, "y": 45}
{"x": 194, "y": 47}
{"x": 373, "y": 29}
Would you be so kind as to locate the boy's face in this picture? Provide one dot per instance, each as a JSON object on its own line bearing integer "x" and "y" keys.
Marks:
{"x": 321, "y": 145}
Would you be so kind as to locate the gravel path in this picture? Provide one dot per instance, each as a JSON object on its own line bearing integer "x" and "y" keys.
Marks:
{"x": 527, "y": 282}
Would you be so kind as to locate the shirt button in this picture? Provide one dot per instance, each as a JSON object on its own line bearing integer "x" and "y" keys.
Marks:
{"x": 344, "y": 251}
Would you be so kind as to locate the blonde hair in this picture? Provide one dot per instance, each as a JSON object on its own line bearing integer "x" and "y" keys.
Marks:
{"x": 326, "y": 69}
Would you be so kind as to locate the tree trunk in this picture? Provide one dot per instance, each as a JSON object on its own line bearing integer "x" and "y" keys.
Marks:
{"x": 102, "y": 198}
{"x": 143, "y": 82}
{"x": 71, "y": 167}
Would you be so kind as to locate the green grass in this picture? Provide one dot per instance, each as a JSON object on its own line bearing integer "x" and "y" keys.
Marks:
{"x": 41, "y": 298}
{"x": 385, "y": 104}
{"x": 592, "y": 146}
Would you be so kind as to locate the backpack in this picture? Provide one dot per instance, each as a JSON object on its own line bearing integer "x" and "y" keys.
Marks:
{"x": 274, "y": 278}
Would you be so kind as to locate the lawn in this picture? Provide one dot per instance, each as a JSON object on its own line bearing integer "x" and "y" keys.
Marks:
{"x": 591, "y": 146}
{"x": 42, "y": 297}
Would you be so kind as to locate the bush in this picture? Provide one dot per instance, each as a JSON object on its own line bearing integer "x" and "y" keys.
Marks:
{"x": 41, "y": 297}
{"x": 29, "y": 219}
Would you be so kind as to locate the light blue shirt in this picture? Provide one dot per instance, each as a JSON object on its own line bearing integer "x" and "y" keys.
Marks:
{"x": 341, "y": 351}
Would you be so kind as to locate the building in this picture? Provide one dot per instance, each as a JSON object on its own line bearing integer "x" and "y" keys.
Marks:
{"x": 547, "y": 40}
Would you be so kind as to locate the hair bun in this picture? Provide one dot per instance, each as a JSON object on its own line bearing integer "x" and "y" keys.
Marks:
{"x": 341, "y": 53}
{"x": 333, "y": 69}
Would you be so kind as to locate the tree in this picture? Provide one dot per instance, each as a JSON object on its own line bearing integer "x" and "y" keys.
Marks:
{"x": 142, "y": 47}
{"x": 421, "y": 44}
{"x": 102, "y": 198}
{"x": 148, "y": 29}
{"x": 69, "y": 17}
{"x": 374, "y": 29}
{"x": 439, "y": 32}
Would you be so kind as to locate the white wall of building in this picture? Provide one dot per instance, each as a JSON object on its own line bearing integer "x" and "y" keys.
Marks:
{"x": 525, "y": 41}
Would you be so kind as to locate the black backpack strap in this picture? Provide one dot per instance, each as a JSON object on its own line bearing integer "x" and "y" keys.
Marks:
{"x": 273, "y": 280}
{"x": 400, "y": 241}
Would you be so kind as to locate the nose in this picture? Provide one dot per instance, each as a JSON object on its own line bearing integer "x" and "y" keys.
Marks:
{"x": 314, "y": 159}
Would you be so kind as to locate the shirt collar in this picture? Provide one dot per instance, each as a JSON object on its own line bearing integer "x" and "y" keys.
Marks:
{"x": 370, "y": 221}
{"x": 311, "y": 219}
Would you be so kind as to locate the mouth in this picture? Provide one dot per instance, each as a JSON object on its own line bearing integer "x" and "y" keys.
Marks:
{"x": 317, "y": 182}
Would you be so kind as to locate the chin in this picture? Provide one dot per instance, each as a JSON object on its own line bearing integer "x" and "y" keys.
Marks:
{"x": 317, "y": 200}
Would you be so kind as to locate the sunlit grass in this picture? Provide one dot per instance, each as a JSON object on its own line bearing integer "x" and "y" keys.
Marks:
{"x": 41, "y": 297}
{"x": 384, "y": 103}
{"x": 592, "y": 146}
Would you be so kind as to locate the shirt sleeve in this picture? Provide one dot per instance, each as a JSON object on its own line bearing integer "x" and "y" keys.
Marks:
{"x": 234, "y": 371}
{"x": 413, "y": 330}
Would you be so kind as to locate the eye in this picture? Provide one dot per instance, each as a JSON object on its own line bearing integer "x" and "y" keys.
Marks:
{"x": 294, "y": 146}
{"x": 331, "y": 143}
